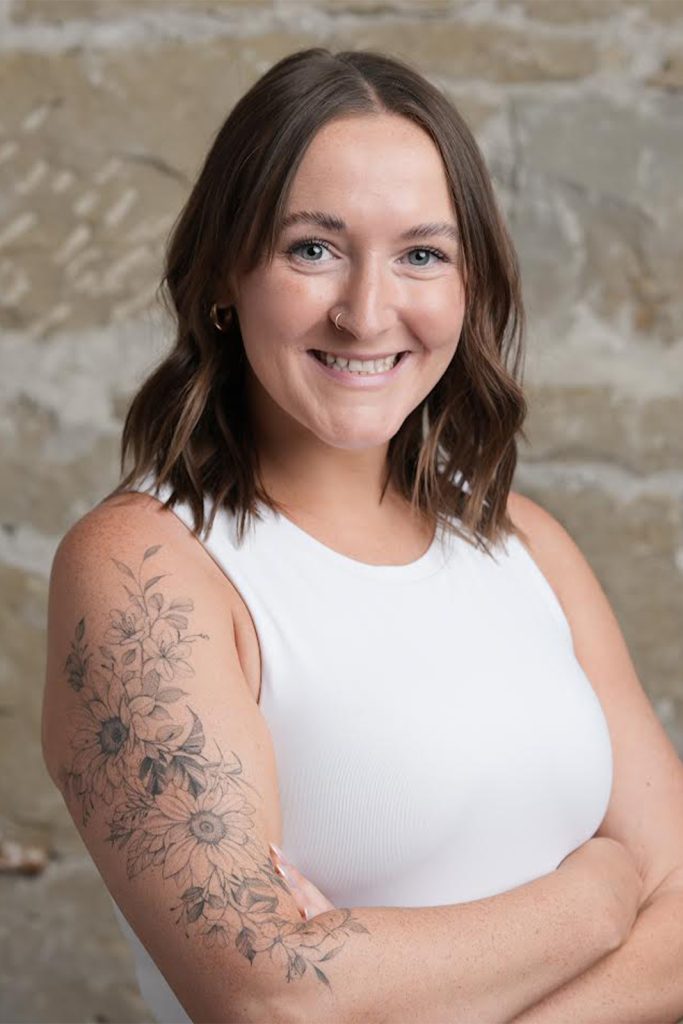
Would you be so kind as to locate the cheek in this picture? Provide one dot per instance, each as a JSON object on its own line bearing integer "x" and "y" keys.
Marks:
{"x": 283, "y": 309}
{"x": 260, "y": 306}
{"x": 438, "y": 332}
{"x": 437, "y": 318}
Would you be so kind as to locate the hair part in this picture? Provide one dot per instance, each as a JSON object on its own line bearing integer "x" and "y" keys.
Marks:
{"x": 455, "y": 454}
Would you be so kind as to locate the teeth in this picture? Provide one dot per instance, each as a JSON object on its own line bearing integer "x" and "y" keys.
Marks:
{"x": 361, "y": 366}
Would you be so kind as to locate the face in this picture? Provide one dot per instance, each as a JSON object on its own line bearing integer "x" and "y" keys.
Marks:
{"x": 374, "y": 178}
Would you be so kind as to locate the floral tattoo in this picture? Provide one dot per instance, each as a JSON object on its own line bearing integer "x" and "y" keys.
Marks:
{"x": 168, "y": 805}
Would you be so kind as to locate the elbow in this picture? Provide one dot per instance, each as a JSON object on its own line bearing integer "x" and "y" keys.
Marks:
{"x": 255, "y": 1005}
{"x": 302, "y": 1000}
{"x": 269, "y": 1008}
{"x": 293, "y": 1004}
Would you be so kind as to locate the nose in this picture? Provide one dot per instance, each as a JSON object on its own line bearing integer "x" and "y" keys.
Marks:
{"x": 368, "y": 299}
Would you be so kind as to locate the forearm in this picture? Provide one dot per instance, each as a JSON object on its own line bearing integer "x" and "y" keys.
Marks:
{"x": 482, "y": 961}
{"x": 639, "y": 983}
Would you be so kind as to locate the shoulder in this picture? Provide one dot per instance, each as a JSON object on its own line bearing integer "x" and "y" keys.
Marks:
{"x": 549, "y": 543}
{"x": 130, "y": 522}
{"x": 125, "y": 515}
{"x": 533, "y": 519}
{"x": 128, "y": 573}
{"x": 130, "y": 512}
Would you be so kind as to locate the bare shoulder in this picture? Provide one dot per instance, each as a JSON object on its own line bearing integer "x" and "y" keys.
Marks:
{"x": 564, "y": 565}
{"x": 125, "y": 519}
{"x": 126, "y": 578}
{"x": 551, "y": 546}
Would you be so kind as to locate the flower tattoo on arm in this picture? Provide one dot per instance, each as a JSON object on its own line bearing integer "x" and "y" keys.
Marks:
{"x": 138, "y": 752}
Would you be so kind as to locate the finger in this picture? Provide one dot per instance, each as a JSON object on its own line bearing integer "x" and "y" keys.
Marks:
{"x": 292, "y": 875}
{"x": 303, "y": 884}
{"x": 315, "y": 899}
{"x": 308, "y": 898}
{"x": 294, "y": 890}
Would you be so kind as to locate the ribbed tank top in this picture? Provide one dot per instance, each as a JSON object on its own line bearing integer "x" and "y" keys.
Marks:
{"x": 436, "y": 739}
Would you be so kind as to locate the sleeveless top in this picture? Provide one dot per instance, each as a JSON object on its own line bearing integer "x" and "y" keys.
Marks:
{"x": 436, "y": 739}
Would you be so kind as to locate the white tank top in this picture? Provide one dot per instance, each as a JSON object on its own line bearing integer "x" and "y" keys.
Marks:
{"x": 436, "y": 739}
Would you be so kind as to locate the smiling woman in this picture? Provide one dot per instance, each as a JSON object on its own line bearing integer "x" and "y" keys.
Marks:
{"x": 404, "y": 304}
{"x": 363, "y": 225}
{"x": 309, "y": 614}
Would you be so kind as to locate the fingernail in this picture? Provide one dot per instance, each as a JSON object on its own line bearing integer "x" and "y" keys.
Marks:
{"x": 282, "y": 870}
{"x": 278, "y": 853}
{"x": 280, "y": 866}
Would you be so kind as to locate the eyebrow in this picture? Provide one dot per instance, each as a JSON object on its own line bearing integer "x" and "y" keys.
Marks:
{"x": 329, "y": 222}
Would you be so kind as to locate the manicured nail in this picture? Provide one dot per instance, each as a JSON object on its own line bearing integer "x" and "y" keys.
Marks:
{"x": 278, "y": 853}
{"x": 280, "y": 863}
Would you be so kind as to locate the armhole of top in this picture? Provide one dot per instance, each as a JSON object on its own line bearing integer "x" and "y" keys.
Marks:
{"x": 184, "y": 514}
{"x": 543, "y": 585}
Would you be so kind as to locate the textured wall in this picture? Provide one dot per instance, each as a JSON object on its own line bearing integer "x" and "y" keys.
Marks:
{"x": 107, "y": 110}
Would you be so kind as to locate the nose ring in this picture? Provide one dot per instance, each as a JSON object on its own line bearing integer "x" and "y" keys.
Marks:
{"x": 335, "y": 321}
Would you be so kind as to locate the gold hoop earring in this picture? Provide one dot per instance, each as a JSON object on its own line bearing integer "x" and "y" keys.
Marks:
{"x": 215, "y": 319}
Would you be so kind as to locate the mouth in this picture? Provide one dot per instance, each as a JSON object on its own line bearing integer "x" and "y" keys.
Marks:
{"x": 364, "y": 365}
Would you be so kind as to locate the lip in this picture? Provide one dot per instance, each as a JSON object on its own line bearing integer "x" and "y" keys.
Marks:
{"x": 371, "y": 381}
{"x": 363, "y": 356}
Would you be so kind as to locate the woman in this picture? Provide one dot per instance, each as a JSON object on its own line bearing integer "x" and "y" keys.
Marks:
{"x": 310, "y": 615}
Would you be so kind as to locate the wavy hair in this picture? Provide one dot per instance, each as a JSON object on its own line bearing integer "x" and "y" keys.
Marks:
{"x": 455, "y": 454}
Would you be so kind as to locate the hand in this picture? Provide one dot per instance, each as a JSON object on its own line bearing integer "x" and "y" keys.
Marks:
{"x": 308, "y": 899}
{"x": 620, "y": 886}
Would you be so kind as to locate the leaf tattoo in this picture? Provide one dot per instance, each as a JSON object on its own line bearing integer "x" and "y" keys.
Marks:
{"x": 168, "y": 805}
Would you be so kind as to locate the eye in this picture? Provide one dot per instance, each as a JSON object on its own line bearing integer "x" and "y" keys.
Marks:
{"x": 306, "y": 243}
{"x": 432, "y": 252}
{"x": 311, "y": 242}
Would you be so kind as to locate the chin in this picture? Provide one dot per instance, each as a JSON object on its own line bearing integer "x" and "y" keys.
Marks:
{"x": 352, "y": 441}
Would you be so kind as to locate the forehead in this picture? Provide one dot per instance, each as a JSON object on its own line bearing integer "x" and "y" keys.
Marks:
{"x": 372, "y": 162}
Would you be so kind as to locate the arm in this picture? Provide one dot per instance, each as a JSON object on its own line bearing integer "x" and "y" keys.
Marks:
{"x": 643, "y": 980}
{"x": 479, "y": 961}
{"x": 167, "y": 768}
{"x": 639, "y": 983}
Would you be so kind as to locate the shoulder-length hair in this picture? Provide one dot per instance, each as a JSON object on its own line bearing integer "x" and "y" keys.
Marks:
{"x": 454, "y": 456}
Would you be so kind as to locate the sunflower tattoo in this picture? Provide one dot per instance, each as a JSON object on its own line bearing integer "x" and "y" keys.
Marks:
{"x": 169, "y": 806}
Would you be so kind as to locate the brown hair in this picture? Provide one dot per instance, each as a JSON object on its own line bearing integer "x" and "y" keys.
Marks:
{"x": 188, "y": 423}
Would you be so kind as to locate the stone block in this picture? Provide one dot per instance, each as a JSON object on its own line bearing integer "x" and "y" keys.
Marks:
{"x": 493, "y": 51}
{"x": 99, "y": 152}
{"x": 668, "y": 13}
{"x": 577, "y": 12}
{"x": 25, "y": 791}
{"x": 670, "y": 73}
{"x": 81, "y": 969}
{"x": 599, "y": 203}
{"x": 598, "y": 423}
{"x": 57, "y": 11}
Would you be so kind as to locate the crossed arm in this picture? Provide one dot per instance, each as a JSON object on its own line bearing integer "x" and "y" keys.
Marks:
{"x": 642, "y": 981}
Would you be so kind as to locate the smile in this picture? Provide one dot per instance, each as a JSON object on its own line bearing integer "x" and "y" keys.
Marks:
{"x": 359, "y": 373}
{"x": 379, "y": 364}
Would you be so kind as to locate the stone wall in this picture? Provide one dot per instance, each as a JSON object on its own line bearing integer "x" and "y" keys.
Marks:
{"x": 108, "y": 108}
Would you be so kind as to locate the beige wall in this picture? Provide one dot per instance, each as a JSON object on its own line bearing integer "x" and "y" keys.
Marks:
{"x": 107, "y": 110}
